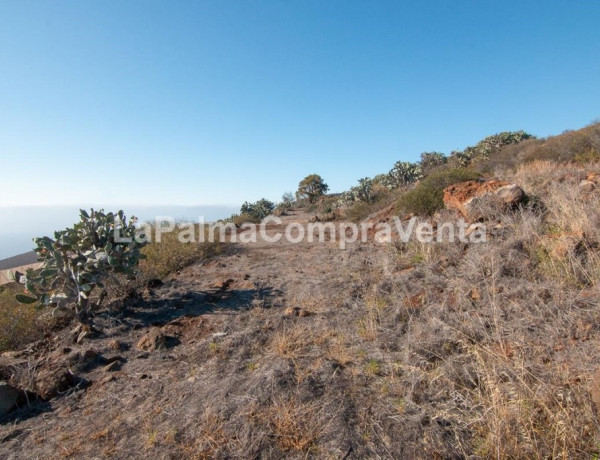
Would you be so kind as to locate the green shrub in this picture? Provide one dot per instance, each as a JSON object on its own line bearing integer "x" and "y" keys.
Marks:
{"x": 589, "y": 155}
{"x": 79, "y": 260}
{"x": 259, "y": 210}
{"x": 428, "y": 196}
{"x": 359, "y": 211}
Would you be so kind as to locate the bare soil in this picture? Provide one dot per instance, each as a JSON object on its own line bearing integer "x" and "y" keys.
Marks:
{"x": 308, "y": 351}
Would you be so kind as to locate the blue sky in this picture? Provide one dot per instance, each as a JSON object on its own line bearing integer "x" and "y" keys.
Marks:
{"x": 218, "y": 102}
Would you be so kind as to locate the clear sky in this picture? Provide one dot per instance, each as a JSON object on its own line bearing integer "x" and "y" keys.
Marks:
{"x": 218, "y": 102}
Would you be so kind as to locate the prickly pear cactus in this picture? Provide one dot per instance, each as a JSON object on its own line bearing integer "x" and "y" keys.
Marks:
{"x": 80, "y": 259}
{"x": 403, "y": 173}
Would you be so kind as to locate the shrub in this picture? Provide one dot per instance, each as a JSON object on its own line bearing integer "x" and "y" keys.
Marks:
{"x": 428, "y": 196}
{"x": 259, "y": 210}
{"x": 81, "y": 259}
{"x": 358, "y": 211}
{"x": 589, "y": 155}
{"x": 170, "y": 255}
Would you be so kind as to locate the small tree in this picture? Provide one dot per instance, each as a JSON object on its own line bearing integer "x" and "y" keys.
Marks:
{"x": 311, "y": 188}
{"x": 80, "y": 259}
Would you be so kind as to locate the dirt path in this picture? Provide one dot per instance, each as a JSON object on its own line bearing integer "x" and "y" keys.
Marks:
{"x": 235, "y": 330}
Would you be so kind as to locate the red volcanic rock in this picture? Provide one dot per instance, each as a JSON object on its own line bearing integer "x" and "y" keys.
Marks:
{"x": 467, "y": 196}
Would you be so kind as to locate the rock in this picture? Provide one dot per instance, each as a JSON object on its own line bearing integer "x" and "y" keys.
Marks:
{"x": 52, "y": 381}
{"x": 112, "y": 359}
{"x": 153, "y": 340}
{"x": 107, "y": 379}
{"x": 117, "y": 345}
{"x": 113, "y": 366}
{"x": 587, "y": 186}
{"x": 304, "y": 313}
{"x": 8, "y": 398}
{"x": 466, "y": 197}
{"x": 84, "y": 332}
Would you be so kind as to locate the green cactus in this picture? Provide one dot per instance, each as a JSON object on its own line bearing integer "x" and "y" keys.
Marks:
{"x": 432, "y": 159}
{"x": 490, "y": 144}
{"x": 259, "y": 210}
{"x": 79, "y": 260}
{"x": 403, "y": 173}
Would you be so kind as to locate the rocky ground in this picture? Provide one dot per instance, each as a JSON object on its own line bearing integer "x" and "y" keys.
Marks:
{"x": 308, "y": 351}
{"x": 195, "y": 360}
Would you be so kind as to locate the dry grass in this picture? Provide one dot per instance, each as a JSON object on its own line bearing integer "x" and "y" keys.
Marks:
{"x": 292, "y": 341}
{"x": 19, "y": 323}
{"x": 171, "y": 255}
{"x": 411, "y": 350}
{"x": 295, "y": 425}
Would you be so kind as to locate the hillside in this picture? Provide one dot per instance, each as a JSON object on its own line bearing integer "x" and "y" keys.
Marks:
{"x": 379, "y": 350}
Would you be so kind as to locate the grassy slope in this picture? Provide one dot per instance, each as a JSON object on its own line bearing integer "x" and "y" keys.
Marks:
{"x": 411, "y": 351}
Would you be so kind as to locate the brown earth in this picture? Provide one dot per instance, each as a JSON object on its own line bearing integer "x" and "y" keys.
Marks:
{"x": 308, "y": 351}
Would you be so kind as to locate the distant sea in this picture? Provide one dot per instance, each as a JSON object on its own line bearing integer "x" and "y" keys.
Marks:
{"x": 19, "y": 224}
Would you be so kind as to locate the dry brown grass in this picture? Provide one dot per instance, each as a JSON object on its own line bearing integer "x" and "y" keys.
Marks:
{"x": 566, "y": 245}
{"x": 295, "y": 425}
{"x": 19, "y": 323}
{"x": 171, "y": 255}
{"x": 292, "y": 341}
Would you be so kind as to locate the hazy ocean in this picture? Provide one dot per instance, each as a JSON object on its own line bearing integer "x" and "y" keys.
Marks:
{"x": 19, "y": 224}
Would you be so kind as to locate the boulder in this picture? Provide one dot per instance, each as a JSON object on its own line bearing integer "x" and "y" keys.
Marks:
{"x": 52, "y": 381}
{"x": 467, "y": 197}
{"x": 152, "y": 340}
